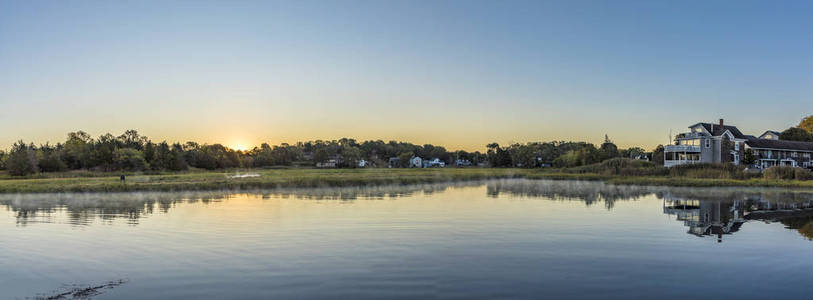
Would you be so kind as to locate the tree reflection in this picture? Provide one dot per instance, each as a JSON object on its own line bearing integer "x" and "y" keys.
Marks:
{"x": 705, "y": 211}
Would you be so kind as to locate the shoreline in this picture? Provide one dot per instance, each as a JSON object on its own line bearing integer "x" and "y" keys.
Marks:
{"x": 308, "y": 178}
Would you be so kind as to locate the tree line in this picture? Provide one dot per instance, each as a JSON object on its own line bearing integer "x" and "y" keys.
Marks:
{"x": 131, "y": 151}
{"x": 802, "y": 132}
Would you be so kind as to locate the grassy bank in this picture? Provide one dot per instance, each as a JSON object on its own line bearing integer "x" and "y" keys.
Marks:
{"x": 109, "y": 182}
{"x": 206, "y": 180}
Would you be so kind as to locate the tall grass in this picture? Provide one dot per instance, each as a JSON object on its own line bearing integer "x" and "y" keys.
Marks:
{"x": 622, "y": 166}
{"x": 715, "y": 171}
{"x": 787, "y": 173}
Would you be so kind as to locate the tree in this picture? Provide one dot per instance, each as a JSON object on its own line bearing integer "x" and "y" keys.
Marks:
{"x": 807, "y": 124}
{"x": 131, "y": 139}
{"x": 321, "y": 155}
{"x": 50, "y": 158}
{"x": 403, "y": 159}
{"x": 748, "y": 158}
{"x": 632, "y": 153}
{"x": 129, "y": 159}
{"x": 351, "y": 156}
{"x": 2, "y": 160}
{"x": 21, "y": 160}
{"x": 523, "y": 155}
{"x": 796, "y": 134}
{"x": 657, "y": 155}
{"x": 77, "y": 150}
{"x": 608, "y": 149}
{"x": 497, "y": 156}
{"x": 102, "y": 153}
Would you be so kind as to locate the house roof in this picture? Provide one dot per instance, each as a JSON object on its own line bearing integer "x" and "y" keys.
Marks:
{"x": 715, "y": 130}
{"x": 780, "y": 144}
{"x": 775, "y": 134}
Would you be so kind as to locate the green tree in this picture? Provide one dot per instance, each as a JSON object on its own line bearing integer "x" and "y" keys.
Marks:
{"x": 657, "y": 155}
{"x": 3, "y": 160}
{"x": 403, "y": 158}
{"x": 22, "y": 160}
{"x": 796, "y": 134}
{"x": 77, "y": 150}
{"x": 748, "y": 157}
{"x": 807, "y": 124}
{"x": 50, "y": 158}
{"x": 608, "y": 149}
{"x": 321, "y": 155}
{"x": 101, "y": 154}
{"x": 524, "y": 155}
{"x": 131, "y": 139}
{"x": 129, "y": 159}
{"x": 632, "y": 152}
{"x": 497, "y": 156}
{"x": 351, "y": 156}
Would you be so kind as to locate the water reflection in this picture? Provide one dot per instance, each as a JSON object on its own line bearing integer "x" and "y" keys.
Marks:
{"x": 719, "y": 212}
{"x": 707, "y": 212}
{"x": 84, "y": 208}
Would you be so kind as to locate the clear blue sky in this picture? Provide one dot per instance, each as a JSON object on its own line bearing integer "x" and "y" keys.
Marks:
{"x": 460, "y": 74}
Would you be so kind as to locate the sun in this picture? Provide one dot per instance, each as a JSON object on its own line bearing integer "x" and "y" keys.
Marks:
{"x": 240, "y": 147}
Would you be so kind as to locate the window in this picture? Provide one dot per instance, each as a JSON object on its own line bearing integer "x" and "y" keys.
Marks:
{"x": 708, "y": 143}
{"x": 737, "y": 146}
{"x": 794, "y": 154}
{"x": 736, "y": 159}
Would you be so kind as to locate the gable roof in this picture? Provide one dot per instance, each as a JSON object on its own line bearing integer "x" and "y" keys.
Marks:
{"x": 780, "y": 144}
{"x": 775, "y": 134}
{"x": 715, "y": 130}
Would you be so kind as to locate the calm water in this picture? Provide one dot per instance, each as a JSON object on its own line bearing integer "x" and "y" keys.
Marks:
{"x": 491, "y": 239}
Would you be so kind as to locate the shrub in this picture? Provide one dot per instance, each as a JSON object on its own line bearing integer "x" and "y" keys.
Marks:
{"x": 623, "y": 166}
{"x": 787, "y": 173}
{"x": 718, "y": 171}
{"x": 22, "y": 160}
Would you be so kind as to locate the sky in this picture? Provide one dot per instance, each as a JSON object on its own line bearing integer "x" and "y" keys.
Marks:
{"x": 456, "y": 73}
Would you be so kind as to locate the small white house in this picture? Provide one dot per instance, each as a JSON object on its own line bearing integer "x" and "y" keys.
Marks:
{"x": 416, "y": 162}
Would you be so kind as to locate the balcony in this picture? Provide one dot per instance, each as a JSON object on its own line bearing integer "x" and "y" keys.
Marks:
{"x": 681, "y": 148}
{"x": 690, "y": 135}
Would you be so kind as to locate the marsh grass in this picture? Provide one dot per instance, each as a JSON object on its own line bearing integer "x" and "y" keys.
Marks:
{"x": 611, "y": 171}
{"x": 285, "y": 178}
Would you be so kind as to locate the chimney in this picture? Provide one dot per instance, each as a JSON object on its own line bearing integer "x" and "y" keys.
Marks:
{"x": 721, "y": 123}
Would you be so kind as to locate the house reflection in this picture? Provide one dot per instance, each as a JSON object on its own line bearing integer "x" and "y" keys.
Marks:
{"x": 718, "y": 217}
{"x": 706, "y": 218}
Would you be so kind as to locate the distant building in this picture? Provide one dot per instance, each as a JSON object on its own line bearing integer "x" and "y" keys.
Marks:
{"x": 770, "y": 135}
{"x": 416, "y": 162}
{"x": 394, "y": 162}
{"x": 720, "y": 143}
{"x": 463, "y": 163}
{"x": 434, "y": 163}
{"x": 363, "y": 163}
{"x": 330, "y": 163}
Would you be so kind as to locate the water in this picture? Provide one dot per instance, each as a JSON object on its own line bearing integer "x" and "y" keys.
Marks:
{"x": 491, "y": 239}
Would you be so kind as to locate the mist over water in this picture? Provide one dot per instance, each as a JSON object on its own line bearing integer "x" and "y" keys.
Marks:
{"x": 512, "y": 238}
